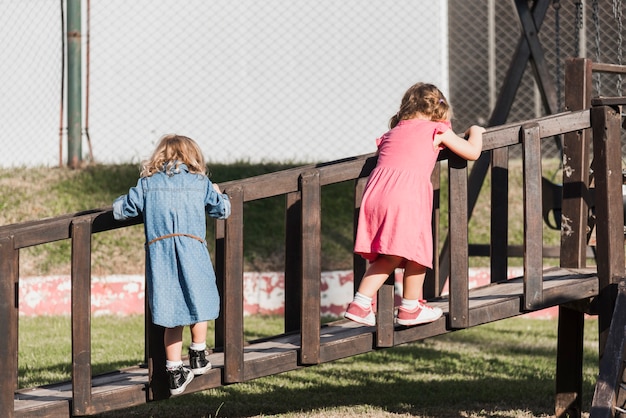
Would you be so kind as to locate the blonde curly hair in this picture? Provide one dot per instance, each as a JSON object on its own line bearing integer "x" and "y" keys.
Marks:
{"x": 425, "y": 99}
{"x": 172, "y": 151}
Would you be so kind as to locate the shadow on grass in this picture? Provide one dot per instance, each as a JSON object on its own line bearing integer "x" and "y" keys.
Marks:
{"x": 422, "y": 379}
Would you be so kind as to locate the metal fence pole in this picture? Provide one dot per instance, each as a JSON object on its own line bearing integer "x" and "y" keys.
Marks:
{"x": 74, "y": 104}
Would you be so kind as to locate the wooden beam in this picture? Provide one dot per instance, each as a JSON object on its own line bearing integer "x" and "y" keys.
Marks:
{"x": 533, "y": 220}
{"x": 9, "y": 279}
{"x": 459, "y": 257}
{"x": 311, "y": 271}
{"x": 81, "y": 317}
{"x": 233, "y": 289}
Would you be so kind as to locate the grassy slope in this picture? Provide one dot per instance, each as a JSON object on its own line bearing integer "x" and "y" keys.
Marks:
{"x": 28, "y": 194}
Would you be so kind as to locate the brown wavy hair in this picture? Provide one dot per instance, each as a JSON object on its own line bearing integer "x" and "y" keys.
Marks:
{"x": 172, "y": 151}
{"x": 425, "y": 99}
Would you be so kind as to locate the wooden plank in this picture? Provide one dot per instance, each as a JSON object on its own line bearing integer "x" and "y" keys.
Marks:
{"x": 576, "y": 152}
{"x": 574, "y": 223}
{"x": 608, "y": 101}
{"x": 459, "y": 263}
{"x": 363, "y": 343}
{"x": 268, "y": 365}
{"x": 609, "y": 211}
{"x": 384, "y": 314}
{"x": 158, "y": 387}
{"x": 9, "y": 271}
{"x": 233, "y": 289}
{"x": 403, "y": 335}
{"x": 533, "y": 220}
{"x": 311, "y": 271}
{"x": 345, "y": 339}
{"x": 612, "y": 362}
{"x": 608, "y": 68}
{"x": 608, "y": 180}
{"x": 293, "y": 267}
{"x": 81, "y": 317}
{"x": 47, "y": 410}
{"x": 569, "y": 363}
{"x": 209, "y": 380}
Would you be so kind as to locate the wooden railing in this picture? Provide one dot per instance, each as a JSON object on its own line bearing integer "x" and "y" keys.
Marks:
{"x": 302, "y": 188}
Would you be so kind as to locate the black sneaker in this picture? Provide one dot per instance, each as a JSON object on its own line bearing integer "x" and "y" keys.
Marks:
{"x": 198, "y": 361}
{"x": 179, "y": 379}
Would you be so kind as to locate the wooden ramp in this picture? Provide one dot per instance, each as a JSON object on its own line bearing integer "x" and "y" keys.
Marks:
{"x": 339, "y": 339}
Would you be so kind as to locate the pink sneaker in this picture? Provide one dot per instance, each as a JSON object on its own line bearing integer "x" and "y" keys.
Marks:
{"x": 361, "y": 315}
{"x": 420, "y": 315}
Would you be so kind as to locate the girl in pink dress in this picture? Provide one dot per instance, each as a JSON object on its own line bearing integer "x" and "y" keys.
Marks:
{"x": 394, "y": 229}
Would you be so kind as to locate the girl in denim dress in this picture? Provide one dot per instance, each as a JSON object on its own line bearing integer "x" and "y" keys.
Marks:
{"x": 174, "y": 195}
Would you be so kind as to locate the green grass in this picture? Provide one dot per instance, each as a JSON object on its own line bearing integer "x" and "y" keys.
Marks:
{"x": 504, "y": 369}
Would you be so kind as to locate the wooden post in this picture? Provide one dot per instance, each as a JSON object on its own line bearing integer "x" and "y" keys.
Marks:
{"x": 9, "y": 263}
{"x": 574, "y": 221}
{"x": 81, "y": 317}
{"x": 233, "y": 290}
{"x": 576, "y": 152}
{"x": 311, "y": 272}
{"x": 533, "y": 221}
{"x": 459, "y": 262}
{"x": 384, "y": 314}
{"x": 606, "y": 124}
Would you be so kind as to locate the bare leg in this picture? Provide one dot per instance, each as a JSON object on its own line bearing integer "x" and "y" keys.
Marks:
{"x": 377, "y": 273}
{"x": 413, "y": 280}
{"x": 198, "y": 332}
{"x": 173, "y": 339}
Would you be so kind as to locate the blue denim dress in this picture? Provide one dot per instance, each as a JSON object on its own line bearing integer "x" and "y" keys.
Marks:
{"x": 180, "y": 279}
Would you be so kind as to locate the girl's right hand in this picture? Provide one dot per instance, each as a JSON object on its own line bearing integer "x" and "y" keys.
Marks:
{"x": 474, "y": 130}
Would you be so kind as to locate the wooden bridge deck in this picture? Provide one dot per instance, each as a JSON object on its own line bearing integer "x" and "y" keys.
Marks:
{"x": 339, "y": 339}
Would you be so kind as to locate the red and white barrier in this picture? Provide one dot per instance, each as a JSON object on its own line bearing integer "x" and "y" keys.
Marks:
{"x": 264, "y": 293}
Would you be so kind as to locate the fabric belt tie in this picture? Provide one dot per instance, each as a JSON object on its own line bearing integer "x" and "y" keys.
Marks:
{"x": 174, "y": 235}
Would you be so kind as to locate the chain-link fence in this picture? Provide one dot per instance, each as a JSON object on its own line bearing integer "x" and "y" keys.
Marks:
{"x": 273, "y": 80}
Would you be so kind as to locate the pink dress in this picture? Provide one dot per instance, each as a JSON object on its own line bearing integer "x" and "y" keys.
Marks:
{"x": 396, "y": 211}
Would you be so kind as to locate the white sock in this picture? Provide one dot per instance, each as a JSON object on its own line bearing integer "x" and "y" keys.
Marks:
{"x": 173, "y": 365}
{"x": 410, "y": 304}
{"x": 362, "y": 300}
{"x": 198, "y": 346}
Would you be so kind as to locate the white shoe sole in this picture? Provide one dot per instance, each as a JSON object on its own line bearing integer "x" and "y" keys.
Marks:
{"x": 360, "y": 320}
{"x": 181, "y": 389}
{"x": 418, "y": 320}
{"x": 201, "y": 370}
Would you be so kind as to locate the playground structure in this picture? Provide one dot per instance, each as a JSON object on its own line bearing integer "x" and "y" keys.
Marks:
{"x": 574, "y": 287}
